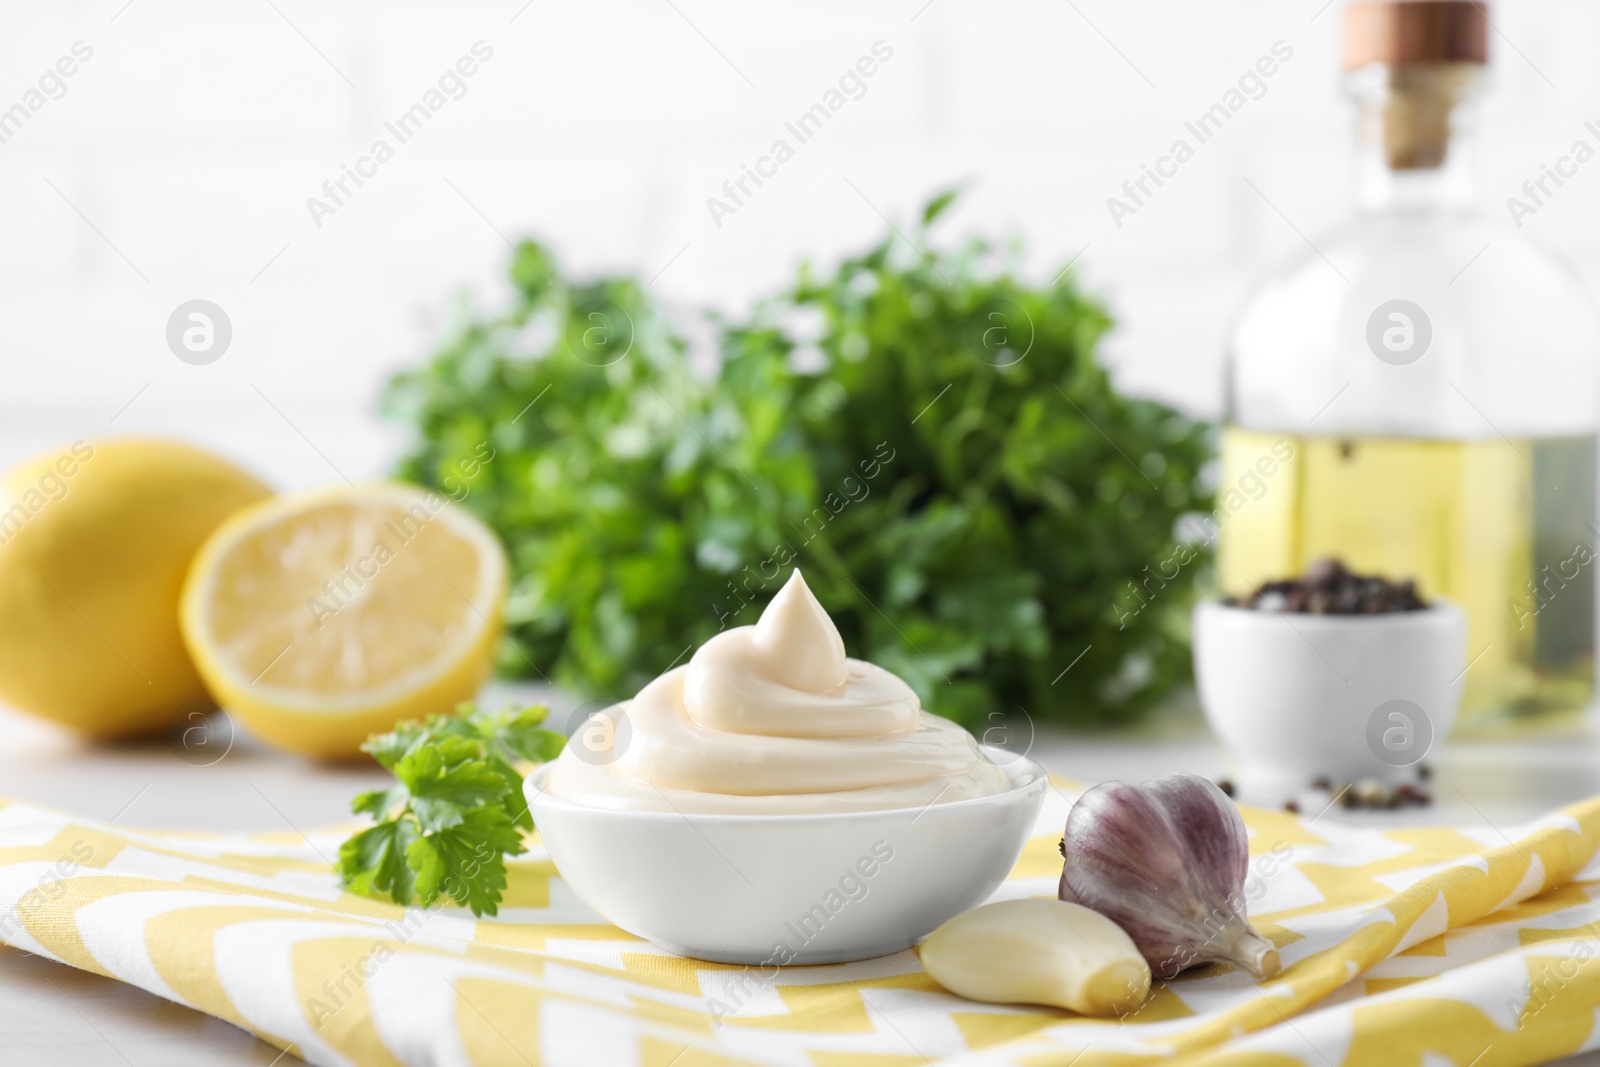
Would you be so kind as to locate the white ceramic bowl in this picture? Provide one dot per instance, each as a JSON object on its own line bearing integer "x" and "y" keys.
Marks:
{"x": 776, "y": 889}
{"x": 1298, "y": 696}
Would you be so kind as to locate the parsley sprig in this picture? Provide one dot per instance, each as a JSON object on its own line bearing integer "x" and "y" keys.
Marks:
{"x": 454, "y": 813}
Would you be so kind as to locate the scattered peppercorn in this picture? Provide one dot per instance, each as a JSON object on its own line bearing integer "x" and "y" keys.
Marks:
{"x": 1367, "y": 793}
{"x": 1371, "y": 794}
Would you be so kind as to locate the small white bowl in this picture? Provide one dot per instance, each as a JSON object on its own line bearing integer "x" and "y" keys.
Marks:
{"x": 1296, "y": 696}
{"x": 790, "y": 889}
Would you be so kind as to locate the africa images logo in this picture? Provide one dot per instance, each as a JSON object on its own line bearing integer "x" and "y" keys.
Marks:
{"x": 1399, "y": 332}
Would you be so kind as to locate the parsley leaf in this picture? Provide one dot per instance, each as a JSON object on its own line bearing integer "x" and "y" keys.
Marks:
{"x": 448, "y": 778}
{"x": 464, "y": 861}
{"x": 454, "y": 814}
{"x": 374, "y": 861}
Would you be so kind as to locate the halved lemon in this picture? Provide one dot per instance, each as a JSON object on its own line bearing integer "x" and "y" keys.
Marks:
{"x": 323, "y": 617}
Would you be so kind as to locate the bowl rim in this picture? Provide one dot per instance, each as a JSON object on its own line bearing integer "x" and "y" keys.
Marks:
{"x": 1439, "y": 607}
{"x": 1026, "y": 775}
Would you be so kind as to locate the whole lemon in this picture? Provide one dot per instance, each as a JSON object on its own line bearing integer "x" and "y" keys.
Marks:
{"x": 95, "y": 540}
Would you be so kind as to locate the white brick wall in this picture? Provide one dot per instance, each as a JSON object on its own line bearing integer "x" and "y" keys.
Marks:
{"x": 194, "y": 135}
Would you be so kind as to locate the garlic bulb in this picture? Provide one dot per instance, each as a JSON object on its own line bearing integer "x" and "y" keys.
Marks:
{"x": 1038, "y": 951}
{"x": 1167, "y": 862}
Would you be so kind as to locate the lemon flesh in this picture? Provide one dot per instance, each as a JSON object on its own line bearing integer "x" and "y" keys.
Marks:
{"x": 95, "y": 540}
{"x": 324, "y": 617}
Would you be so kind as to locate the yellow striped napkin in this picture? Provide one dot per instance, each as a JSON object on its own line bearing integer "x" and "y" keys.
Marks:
{"x": 1422, "y": 947}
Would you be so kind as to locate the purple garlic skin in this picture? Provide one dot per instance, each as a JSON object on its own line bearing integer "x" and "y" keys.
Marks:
{"x": 1166, "y": 861}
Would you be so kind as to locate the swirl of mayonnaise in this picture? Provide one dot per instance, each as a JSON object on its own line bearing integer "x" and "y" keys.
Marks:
{"x": 774, "y": 718}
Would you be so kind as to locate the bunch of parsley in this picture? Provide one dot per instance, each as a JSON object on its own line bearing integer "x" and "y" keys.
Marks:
{"x": 925, "y": 432}
{"x": 455, "y": 811}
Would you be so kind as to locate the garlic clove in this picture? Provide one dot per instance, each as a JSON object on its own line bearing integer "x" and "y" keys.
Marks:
{"x": 1038, "y": 951}
{"x": 1166, "y": 861}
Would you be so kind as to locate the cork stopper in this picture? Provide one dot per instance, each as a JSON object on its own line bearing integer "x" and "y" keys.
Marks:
{"x": 1434, "y": 52}
{"x": 1396, "y": 32}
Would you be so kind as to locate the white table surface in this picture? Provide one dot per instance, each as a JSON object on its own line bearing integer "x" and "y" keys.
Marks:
{"x": 51, "y": 1014}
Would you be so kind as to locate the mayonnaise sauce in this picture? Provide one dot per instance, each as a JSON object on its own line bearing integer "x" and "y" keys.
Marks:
{"x": 773, "y": 718}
